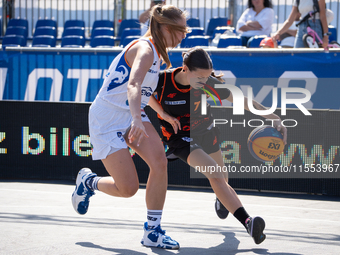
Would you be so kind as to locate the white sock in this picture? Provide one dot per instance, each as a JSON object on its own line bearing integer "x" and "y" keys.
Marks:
{"x": 154, "y": 218}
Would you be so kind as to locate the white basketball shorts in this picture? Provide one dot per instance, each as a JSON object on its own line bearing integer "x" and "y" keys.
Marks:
{"x": 108, "y": 125}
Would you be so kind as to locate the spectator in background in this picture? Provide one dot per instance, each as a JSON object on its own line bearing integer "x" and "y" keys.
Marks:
{"x": 144, "y": 18}
{"x": 319, "y": 24}
{"x": 256, "y": 20}
{"x": 288, "y": 38}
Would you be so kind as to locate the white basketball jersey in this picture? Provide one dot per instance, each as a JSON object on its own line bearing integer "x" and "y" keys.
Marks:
{"x": 114, "y": 89}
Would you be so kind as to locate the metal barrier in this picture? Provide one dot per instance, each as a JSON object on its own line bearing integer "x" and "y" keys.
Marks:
{"x": 91, "y": 10}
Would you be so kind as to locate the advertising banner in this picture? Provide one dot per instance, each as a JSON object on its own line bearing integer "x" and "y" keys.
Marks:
{"x": 60, "y": 75}
{"x": 50, "y": 141}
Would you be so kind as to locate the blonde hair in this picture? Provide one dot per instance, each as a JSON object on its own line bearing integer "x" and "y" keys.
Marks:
{"x": 165, "y": 15}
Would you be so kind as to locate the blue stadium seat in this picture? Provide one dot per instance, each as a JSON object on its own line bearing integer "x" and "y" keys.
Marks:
{"x": 44, "y": 31}
{"x": 194, "y": 31}
{"x": 74, "y": 42}
{"x": 193, "y": 22}
{"x": 74, "y": 24}
{"x": 18, "y": 23}
{"x": 128, "y": 23}
{"x": 102, "y": 24}
{"x": 226, "y": 41}
{"x": 215, "y": 22}
{"x": 128, "y": 39}
{"x": 103, "y": 41}
{"x": 13, "y": 41}
{"x": 333, "y": 36}
{"x": 46, "y": 23}
{"x": 129, "y": 32}
{"x": 254, "y": 41}
{"x": 196, "y": 40}
{"x": 74, "y": 32}
{"x": 14, "y": 31}
{"x": 100, "y": 31}
{"x": 44, "y": 41}
{"x": 221, "y": 30}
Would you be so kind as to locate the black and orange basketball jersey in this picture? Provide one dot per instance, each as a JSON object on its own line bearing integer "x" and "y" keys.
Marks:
{"x": 183, "y": 103}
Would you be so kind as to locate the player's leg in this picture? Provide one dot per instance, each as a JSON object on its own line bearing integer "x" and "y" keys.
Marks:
{"x": 123, "y": 180}
{"x": 227, "y": 195}
{"x": 151, "y": 150}
{"x": 217, "y": 179}
{"x": 221, "y": 211}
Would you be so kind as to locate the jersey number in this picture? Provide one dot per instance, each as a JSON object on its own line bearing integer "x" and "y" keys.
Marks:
{"x": 196, "y": 105}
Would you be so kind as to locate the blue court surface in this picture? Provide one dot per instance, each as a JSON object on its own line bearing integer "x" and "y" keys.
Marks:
{"x": 38, "y": 218}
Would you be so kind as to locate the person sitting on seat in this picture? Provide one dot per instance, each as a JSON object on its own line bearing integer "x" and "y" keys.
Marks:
{"x": 256, "y": 20}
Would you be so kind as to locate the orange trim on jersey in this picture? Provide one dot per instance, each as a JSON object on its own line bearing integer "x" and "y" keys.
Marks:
{"x": 166, "y": 133}
{"x": 174, "y": 83}
{"x": 154, "y": 46}
{"x": 127, "y": 51}
{"x": 161, "y": 95}
{"x": 134, "y": 44}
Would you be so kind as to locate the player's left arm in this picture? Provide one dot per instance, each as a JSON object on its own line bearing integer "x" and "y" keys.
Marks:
{"x": 154, "y": 104}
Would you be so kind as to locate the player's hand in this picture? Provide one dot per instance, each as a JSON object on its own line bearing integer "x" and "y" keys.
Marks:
{"x": 137, "y": 132}
{"x": 176, "y": 125}
{"x": 282, "y": 129}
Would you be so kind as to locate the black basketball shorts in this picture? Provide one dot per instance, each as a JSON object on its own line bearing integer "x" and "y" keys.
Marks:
{"x": 181, "y": 147}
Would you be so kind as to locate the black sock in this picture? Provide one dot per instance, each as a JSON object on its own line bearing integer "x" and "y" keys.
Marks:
{"x": 241, "y": 215}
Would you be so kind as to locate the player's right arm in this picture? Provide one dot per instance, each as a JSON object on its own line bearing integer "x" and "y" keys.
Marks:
{"x": 140, "y": 58}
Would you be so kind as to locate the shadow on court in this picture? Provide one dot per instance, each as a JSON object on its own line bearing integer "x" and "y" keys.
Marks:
{"x": 229, "y": 246}
{"x": 38, "y": 218}
{"x": 116, "y": 251}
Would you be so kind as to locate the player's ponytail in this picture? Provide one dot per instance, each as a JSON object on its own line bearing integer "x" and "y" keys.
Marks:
{"x": 169, "y": 16}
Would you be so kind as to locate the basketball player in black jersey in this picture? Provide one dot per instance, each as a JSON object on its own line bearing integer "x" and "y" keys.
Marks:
{"x": 191, "y": 136}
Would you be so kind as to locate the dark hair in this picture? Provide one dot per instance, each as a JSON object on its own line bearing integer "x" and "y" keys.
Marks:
{"x": 164, "y": 15}
{"x": 266, "y": 3}
{"x": 198, "y": 58}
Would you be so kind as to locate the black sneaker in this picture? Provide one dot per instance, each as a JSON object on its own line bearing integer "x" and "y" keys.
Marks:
{"x": 221, "y": 211}
{"x": 255, "y": 227}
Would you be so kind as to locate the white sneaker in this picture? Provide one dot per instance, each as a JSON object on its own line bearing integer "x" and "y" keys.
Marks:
{"x": 156, "y": 238}
{"x": 81, "y": 195}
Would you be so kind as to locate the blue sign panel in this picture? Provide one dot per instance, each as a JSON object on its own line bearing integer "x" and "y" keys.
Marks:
{"x": 76, "y": 76}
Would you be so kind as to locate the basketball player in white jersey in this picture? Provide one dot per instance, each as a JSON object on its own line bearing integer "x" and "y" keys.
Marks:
{"x": 117, "y": 120}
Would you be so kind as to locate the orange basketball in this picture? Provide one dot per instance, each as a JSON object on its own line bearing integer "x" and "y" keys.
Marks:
{"x": 265, "y": 143}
